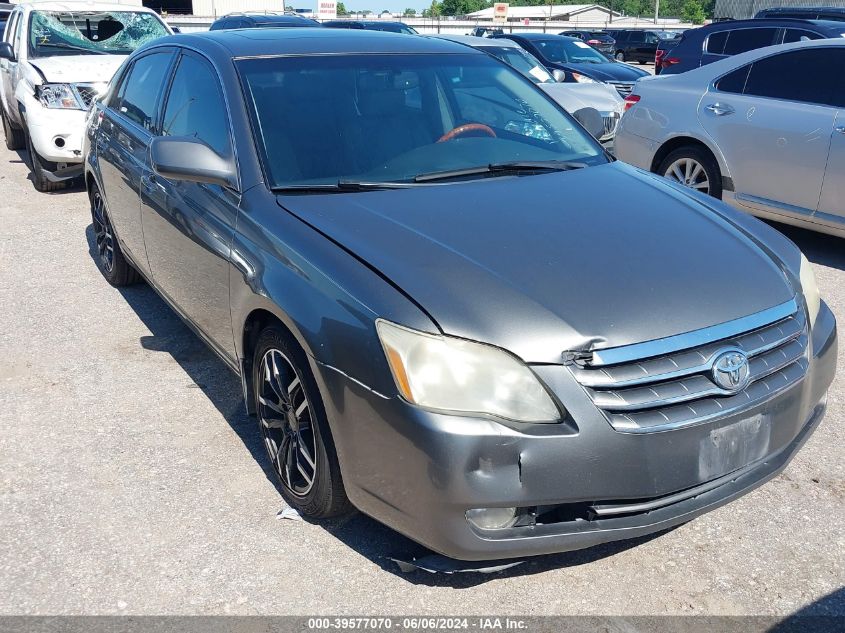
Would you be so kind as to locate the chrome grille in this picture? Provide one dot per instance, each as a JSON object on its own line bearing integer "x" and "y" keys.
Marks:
{"x": 624, "y": 88}
{"x": 676, "y": 389}
{"x": 86, "y": 93}
{"x": 610, "y": 120}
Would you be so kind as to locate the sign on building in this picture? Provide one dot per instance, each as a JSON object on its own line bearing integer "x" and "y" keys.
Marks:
{"x": 327, "y": 9}
{"x": 500, "y": 12}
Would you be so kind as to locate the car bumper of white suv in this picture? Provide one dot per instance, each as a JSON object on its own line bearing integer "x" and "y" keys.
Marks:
{"x": 56, "y": 135}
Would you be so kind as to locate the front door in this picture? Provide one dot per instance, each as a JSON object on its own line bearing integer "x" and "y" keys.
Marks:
{"x": 774, "y": 134}
{"x": 9, "y": 69}
{"x": 189, "y": 227}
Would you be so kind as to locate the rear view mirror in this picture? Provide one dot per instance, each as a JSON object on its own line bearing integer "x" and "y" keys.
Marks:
{"x": 592, "y": 121}
{"x": 183, "y": 158}
{"x": 559, "y": 75}
{"x": 6, "y": 51}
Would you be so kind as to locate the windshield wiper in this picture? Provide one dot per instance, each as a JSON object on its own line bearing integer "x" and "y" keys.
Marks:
{"x": 71, "y": 47}
{"x": 341, "y": 186}
{"x": 514, "y": 167}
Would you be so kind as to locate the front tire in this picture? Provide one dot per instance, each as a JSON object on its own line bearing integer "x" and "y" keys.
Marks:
{"x": 14, "y": 136}
{"x": 693, "y": 167}
{"x": 41, "y": 183}
{"x": 108, "y": 255}
{"x": 292, "y": 421}
{"x": 620, "y": 56}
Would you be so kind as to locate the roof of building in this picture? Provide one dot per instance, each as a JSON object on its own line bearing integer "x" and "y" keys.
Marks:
{"x": 541, "y": 12}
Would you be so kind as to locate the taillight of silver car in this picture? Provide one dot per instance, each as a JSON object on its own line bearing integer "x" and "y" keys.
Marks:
{"x": 631, "y": 100}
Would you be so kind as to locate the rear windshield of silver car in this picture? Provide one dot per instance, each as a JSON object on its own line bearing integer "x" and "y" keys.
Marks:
{"x": 321, "y": 119}
{"x": 91, "y": 32}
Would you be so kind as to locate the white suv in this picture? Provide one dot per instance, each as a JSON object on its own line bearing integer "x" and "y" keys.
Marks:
{"x": 55, "y": 58}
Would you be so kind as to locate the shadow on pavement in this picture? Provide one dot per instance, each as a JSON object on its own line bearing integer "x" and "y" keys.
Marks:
{"x": 825, "y": 615}
{"x": 819, "y": 248}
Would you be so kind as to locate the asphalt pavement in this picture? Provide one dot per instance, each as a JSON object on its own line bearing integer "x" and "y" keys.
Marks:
{"x": 132, "y": 482}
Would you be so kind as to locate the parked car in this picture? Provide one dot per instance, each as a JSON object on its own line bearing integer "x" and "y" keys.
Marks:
{"x": 665, "y": 45}
{"x": 571, "y": 60}
{"x": 261, "y": 20}
{"x": 485, "y": 31}
{"x": 575, "y": 98}
{"x": 435, "y": 317}
{"x": 55, "y": 59}
{"x": 635, "y": 45}
{"x": 599, "y": 40}
{"x": 372, "y": 25}
{"x": 5, "y": 12}
{"x": 763, "y": 130}
{"x": 713, "y": 42}
{"x": 836, "y": 14}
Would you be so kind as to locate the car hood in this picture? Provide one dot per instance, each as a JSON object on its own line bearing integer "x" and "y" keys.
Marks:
{"x": 588, "y": 259}
{"x": 573, "y": 96}
{"x": 611, "y": 71}
{"x": 78, "y": 68}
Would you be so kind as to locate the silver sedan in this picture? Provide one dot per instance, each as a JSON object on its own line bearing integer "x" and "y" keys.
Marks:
{"x": 764, "y": 131}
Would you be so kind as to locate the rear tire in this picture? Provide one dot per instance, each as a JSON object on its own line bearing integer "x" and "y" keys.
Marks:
{"x": 14, "y": 136}
{"x": 293, "y": 424}
{"x": 693, "y": 167}
{"x": 109, "y": 257}
{"x": 41, "y": 183}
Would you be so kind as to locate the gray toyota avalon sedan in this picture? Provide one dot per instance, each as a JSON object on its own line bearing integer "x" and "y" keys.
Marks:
{"x": 449, "y": 307}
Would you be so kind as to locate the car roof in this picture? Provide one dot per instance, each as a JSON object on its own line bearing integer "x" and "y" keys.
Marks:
{"x": 82, "y": 6}
{"x": 477, "y": 42}
{"x": 536, "y": 36}
{"x": 310, "y": 41}
{"x": 727, "y": 25}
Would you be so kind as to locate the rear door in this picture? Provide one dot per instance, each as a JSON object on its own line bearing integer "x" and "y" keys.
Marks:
{"x": 832, "y": 200}
{"x": 774, "y": 133}
{"x": 122, "y": 144}
{"x": 189, "y": 227}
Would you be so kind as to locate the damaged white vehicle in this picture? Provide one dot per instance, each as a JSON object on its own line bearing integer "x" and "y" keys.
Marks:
{"x": 55, "y": 59}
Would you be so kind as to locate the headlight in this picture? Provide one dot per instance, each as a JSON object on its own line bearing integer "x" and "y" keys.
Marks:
{"x": 582, "y": 79}
{"x": 57, "y": 96}
{"x": 458, "y": 376}
{"x": 810, "y": 289}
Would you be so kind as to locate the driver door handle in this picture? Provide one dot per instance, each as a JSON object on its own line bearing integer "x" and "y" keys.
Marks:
{"x": 840, "y": 129}
{"x": 720, "y": 109}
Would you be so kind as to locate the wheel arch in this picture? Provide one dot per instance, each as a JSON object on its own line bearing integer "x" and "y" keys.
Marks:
{"x": 683, "y": 140}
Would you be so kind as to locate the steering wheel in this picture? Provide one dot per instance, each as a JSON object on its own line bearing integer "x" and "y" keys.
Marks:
{"x": 467, "y": 127}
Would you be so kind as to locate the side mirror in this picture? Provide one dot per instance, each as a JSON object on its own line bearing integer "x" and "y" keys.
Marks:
{"x": 6, "y": 51}
{"x": 559, "y": 75}
{"x": 183, "y": 158}
{"x": 592, "y": 121}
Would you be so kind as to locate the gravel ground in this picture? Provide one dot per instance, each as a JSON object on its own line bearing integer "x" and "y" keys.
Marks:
{"x": 131, "y": 481}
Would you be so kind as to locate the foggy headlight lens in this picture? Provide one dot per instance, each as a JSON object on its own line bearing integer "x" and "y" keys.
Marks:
{"x": 57, "y": 96}
{"x": 582, "y": 79}
{"x": 810, "y": 289}
{"x": 458, "y": 376}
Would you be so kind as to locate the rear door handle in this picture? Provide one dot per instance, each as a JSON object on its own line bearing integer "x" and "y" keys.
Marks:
{"x": 720, "y": 109}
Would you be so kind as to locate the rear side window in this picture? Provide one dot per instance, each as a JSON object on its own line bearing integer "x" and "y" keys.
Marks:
{"x": 749, "y": 39}
{"x": 716, "y": 43}
{"x": 799, "y": 35}
{"x": 797, "y": 76}
{"x": 195, "y": 106}
{"x": 734, "y": 81}
{"x": 138, "y": 96}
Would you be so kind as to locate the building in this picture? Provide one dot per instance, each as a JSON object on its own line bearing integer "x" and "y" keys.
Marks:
{"x": 742, "y": 9}
{"x": 557, "y": 12}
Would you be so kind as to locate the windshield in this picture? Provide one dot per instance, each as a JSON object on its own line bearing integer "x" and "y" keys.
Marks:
{"x": 392, "y": 118}
{"x": 565, "y": 51}
{"x": 91, "y": 32}
{"x": 523, "y": 61}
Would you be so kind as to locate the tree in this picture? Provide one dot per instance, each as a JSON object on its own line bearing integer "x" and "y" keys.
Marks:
{"x": 693, "y": 12}
{"x": 433, "y": 11}
{"x": 341, "y": 9}
{"x": 409, "y": 13}
{"x": 366, "y": 12}
{"x": 462, "y": 7}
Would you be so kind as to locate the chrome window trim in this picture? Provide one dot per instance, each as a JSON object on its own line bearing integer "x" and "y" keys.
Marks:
{"x": 659, "y": 347}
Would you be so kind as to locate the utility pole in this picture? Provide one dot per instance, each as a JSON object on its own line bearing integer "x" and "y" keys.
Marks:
{"x": 656, "y": 10}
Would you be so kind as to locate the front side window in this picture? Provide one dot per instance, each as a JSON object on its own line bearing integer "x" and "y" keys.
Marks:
{"x": 394, "y": 118}
{"x": 91, "y": 32}
{"x": 195, "y": 106}
{"x": 744, "y": 40}
{"x": 797, "y": 76}
{"x": 569, "y": 52}
{"x": 138, "y": 95}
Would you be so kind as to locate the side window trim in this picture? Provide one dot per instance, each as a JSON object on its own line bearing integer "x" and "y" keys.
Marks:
{"x": 115, "y": 111}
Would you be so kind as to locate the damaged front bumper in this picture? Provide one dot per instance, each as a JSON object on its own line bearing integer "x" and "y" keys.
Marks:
{"x": 575, "y": 484}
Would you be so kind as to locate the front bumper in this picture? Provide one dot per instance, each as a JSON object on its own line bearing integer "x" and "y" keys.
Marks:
{"x": 57, "y": 136}
{"x": 419, "y": 472}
